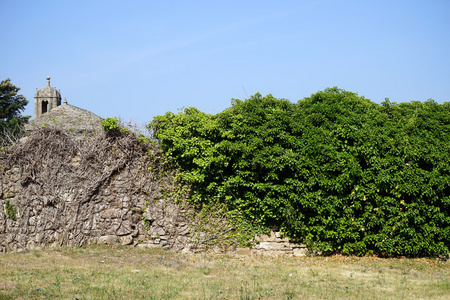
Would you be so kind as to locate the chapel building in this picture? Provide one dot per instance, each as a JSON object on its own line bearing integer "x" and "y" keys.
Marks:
{"x": 50, "y": 112}
{"x": 46, "y": 99}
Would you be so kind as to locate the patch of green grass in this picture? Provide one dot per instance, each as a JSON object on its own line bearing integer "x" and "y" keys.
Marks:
{"x": 102, "y": 272}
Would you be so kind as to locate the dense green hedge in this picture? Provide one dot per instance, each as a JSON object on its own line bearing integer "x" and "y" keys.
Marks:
{"x": 334, "y": 170}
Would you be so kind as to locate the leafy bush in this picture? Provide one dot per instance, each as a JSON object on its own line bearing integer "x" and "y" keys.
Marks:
{"x": 334, "y": 170}
{"x": 115, "y": 127}
{"x": 110, "y": 124}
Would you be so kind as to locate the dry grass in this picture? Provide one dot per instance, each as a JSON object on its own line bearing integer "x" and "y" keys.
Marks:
{"x": 99, "y": 272}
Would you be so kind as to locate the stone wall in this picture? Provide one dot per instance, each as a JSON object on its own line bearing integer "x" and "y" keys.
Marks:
{"x": 57, "y": 189}
{"x": 275, "y": 245}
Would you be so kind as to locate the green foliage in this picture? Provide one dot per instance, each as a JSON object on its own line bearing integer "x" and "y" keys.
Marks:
{"x": 110, "y": 124}
{"x": 144, "y": 139}
{"x": 11, "y": 105}
{"x": 115, "y": 127}
{"x": 10, "y": 211}
{"x": 212, "y": 226}
{"x": 188, "y": 139}
{"x": 334, "y": 170}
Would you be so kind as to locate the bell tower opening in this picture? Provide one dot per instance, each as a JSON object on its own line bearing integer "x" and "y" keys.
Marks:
{"x": 44, "y": 107}
{"x": 46, "y": 99}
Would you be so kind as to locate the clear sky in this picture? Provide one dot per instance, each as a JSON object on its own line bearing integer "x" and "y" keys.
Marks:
{"x": 138, "y": 59}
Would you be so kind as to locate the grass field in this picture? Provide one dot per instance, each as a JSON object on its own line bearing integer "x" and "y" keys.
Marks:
{"x": 100, "y": 272}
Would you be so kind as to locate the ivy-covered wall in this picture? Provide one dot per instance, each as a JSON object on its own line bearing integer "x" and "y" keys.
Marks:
{"x": 335, "y": 171}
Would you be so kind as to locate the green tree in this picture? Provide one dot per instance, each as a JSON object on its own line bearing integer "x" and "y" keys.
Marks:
{"x": 11, "y": 105}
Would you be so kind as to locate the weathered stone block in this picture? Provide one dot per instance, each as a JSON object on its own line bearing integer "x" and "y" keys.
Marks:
{"x": 68, "y": 197}
{"x": 126, "y": 240}
{"x": 181, "y": 239}
{"x": 157, "y": 232}
{"x": 110, "y": 213}
{"x": 148, "y": 246}
{"x": 95, "y": 233}
{"x": 300, "y": 252}
{"x": 271, "y": 246}
{"x": 183, "y": 230}
{"x": 296, "y": 245}
{"x": 124, "y": 229}
{"x": 108, "y": 240}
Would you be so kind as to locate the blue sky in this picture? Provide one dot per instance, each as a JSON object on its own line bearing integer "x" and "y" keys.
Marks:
{"x": 138, "y": 59}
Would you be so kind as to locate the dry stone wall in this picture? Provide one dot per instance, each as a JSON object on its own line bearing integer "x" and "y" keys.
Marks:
{"x": 275, "y": 245}
{"x": 61, "y": 189}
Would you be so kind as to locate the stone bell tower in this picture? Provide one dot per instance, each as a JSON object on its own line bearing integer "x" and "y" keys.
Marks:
{"x": 46, "y": 99}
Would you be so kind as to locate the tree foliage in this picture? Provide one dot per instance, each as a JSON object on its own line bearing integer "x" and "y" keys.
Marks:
{"x": 11, "y": 105}
{"x": 334, "y": 170}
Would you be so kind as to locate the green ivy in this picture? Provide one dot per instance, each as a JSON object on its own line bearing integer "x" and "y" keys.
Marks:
{"x": 10, "y": 211}
{"x": 334, "y": 170}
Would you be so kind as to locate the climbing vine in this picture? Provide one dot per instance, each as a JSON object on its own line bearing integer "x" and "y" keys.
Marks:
{"x": 334, "y": 170}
